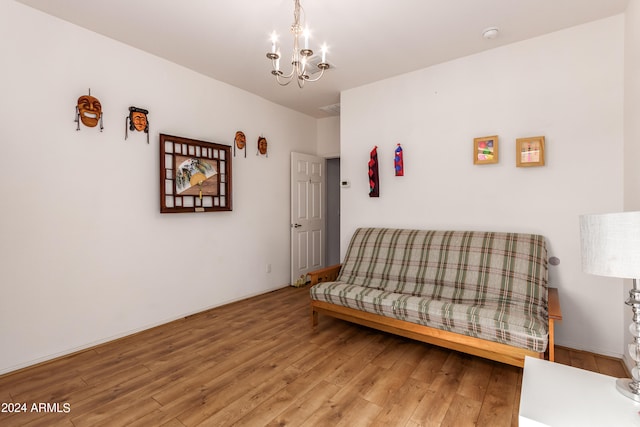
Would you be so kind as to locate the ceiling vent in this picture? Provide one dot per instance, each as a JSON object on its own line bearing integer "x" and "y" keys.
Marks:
{"x": 312, "y": 64}
{"x": 333, "y": 109}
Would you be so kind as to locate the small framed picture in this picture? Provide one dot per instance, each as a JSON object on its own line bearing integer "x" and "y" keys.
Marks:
{"x": 485, "y": 150}
{"x": 530, "y": 151}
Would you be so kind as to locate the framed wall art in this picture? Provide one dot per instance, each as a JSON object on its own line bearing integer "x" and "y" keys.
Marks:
{"x": 195, "y": 176}
{"x": 485, "y": 150}
{"x": 530, "y": 151}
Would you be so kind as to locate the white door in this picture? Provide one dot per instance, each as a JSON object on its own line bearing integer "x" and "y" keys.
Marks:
{"x": 307, "y": 214}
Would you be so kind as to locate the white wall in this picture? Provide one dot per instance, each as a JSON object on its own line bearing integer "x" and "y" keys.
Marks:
{"x": 85, "y": 255}
{"x": 631, "y": 128}
{"x": 632, "y": 107}
{"x": 566, "y": 86}
{"x": 329, "y": 137}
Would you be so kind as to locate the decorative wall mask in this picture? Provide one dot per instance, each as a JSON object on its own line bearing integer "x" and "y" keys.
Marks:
{"x": 88, "y": 111}
{"x": 262, "y": 146}
{"x": 138, "y": 121}
{"x": 398, "y": 161}
{"x": 374, "y": 179}
{"x": 240, "y": 141}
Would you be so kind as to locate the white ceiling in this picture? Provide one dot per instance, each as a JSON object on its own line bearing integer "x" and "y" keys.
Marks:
{"x": 368, "y": 40}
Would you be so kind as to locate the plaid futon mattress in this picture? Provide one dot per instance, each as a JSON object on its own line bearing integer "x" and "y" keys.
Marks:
{"x": 489, "y": 285}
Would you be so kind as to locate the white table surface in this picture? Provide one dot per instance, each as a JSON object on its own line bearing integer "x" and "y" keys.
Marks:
{"x": 557, "y": 395}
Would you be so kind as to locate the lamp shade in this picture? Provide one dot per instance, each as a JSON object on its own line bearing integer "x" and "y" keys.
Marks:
{"x": 610, "y": 244}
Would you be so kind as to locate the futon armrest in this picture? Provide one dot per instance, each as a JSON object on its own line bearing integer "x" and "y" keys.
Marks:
{"x": 555, "y": 312}
{"x": 327, "y": 274}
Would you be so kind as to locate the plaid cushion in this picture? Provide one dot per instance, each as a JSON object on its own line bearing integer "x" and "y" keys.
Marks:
{"x": 486, "y": 284}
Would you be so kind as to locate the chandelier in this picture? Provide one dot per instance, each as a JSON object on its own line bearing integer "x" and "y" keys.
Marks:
{"x": 300, "y": 66}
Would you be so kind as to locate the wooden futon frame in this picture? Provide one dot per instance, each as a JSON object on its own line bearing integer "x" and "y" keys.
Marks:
{"x": 479, "y": 347}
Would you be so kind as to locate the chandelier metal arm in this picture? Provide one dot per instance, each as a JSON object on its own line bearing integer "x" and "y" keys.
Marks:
{"x": 317, "y": 78}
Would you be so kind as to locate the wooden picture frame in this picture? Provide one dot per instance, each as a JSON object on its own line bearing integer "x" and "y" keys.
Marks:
{"x": 530, "y": 151}
{"x": 195, "y": 176}
{"x": 485, "y": 150}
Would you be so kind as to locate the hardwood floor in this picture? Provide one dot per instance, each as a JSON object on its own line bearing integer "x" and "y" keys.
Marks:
{"x": 258, "y": 363}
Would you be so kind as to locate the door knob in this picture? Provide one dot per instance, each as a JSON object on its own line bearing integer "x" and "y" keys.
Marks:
{"x": 297, "y": 225}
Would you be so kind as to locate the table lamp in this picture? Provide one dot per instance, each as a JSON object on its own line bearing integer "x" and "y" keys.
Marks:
{"x": 610, "y": 246}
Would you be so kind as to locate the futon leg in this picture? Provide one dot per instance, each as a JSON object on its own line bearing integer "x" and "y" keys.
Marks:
{"x": 552, "y": 342}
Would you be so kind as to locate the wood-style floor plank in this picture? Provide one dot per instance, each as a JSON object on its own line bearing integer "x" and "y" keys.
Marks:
{"x": 500, "y": 402}
{"x": 259, "y": 363}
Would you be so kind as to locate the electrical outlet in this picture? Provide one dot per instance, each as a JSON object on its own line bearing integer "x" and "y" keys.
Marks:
{"x": 267, "y": 269}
